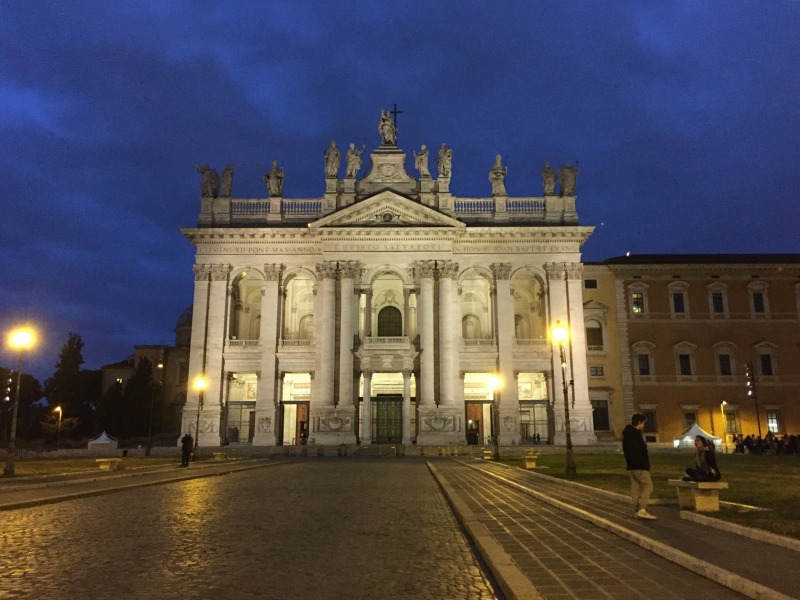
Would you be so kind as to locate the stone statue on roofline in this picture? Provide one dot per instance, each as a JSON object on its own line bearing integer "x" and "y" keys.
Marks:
{"x": 567, "y": 177}
{"x": 549, "y": 180}
{"x": 387, "y": 129}
{"x": 497, "y": 175}
{"x": 209, "y": 181}
{"x": 444, "y": 161}
{"x": 353, "y": 161}
{"x": 274, "y": 180}
{"x": 226, "y": 181}
{"x": 333, "y": 158}
{"x": 421, "y": 162}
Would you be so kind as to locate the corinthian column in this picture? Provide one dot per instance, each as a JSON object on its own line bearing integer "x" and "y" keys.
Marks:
{"x": 366, "y": 410}
{"x": 407, "y": 406}
{"x": 508, "y": 398}
{"x": 324, "y": 324}
{"x": 267, "y": 400}
{"x": 347, "y": 272}
{"x": 423, "y": 270}
{"x": 448, "y": 355}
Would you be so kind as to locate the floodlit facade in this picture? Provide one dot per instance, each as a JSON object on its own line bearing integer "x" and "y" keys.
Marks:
{"x": 692, "y": 330}
{"x": 383, "y": 310}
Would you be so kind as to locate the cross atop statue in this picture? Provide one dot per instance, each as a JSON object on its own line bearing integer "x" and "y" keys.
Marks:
{"x": 394, "y": 112}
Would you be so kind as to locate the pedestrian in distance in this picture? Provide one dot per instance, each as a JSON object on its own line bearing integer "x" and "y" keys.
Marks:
{"x": 705, "y": 462}
{"x": 187, "y": 444}
{"x": 638, "y": 465}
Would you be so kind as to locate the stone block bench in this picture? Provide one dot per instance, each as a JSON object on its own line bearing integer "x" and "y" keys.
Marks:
{"x": 108, "y": 464}
{"x": 488, "y": 454}
{"x": 530, "y": 458}
{"x": 702, "y": 496}
{"x": 219, "y": 456}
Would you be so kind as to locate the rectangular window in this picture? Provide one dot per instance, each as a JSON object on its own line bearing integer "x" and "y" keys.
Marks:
{"x": 685, "y": 364}
{"x": 590, "y": 284}
{"x": 600, "y": 415}
{"x": 689, "y": 419}
{"x": 678, "y": 305}
{"x": 594, "y": 336}
{"x": 644, "y": 363}
{"x": 774, "y": 421}
{"x": 759, "y": 305}
{"x": 730, "y": 422}
{"x": 718, "y": 302}
{"x": 596, "y": 371}
{"x": 725, "y": 364}
{"x": 650, "y": 425}
{"x": 637, "y": 302}
{"x": 766, "y": 364}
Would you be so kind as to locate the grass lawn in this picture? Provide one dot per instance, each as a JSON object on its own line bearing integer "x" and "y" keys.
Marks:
{"x": 766, "y": 481}
{"x": 59, "y": 466}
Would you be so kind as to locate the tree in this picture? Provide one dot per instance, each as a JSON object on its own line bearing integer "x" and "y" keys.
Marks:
{"x": 108, "y": 417}
{"x": 136, "y": 400}
{"x": 65, "y": 387}
{"x": 29, "y": 394}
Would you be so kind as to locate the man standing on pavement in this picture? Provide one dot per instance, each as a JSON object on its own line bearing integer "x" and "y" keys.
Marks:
{"x": 187, "y": 443}
{"x": 638, "y": 464}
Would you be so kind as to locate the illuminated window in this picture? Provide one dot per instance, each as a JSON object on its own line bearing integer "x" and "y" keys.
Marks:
{"x": 774, "y": 421}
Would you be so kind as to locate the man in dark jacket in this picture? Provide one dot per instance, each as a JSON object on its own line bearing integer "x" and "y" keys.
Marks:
{"x": 187, "y": 445}
{"x": 638, "y": 464}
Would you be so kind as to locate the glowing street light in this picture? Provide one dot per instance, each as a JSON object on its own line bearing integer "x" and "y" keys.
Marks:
{"x": 200, "y": 384}
{"x": 20, "y": 339}
{"x": 560, "y": 334}
{"x": 495, "y": 383}
{"x": 58, "y": 436}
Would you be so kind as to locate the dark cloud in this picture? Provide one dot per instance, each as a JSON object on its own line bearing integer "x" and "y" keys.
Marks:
{"x": 683, "y": 116}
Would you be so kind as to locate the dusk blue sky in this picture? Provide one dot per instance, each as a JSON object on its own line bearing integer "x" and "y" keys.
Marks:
{"x": 684, "y": 118}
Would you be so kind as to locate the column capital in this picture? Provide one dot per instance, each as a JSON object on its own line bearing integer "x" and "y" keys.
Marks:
{"x": 564, "y": 269}
{"x": 407, "y": 373}
{"x": 326, "y": 269}
{"x": 348, "y": 269}
{"x": 201, "y": 272}
{"x": 448, "y": 270}
{"x": 502, "y": 271}
{"x": 272, "y": 272}
{"x": 220, "y": 272}
{"x": 423, "y": 269}
{"x": 366, "y": 372}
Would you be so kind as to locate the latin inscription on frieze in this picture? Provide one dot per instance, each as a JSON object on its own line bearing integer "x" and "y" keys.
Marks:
{"x": 255, "y": 249}
{"x": 511, "y": 248}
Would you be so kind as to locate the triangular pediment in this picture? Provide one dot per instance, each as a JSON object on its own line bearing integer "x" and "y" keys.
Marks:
{"x": 387, "y": 209}
{"x": 595, "y": 305}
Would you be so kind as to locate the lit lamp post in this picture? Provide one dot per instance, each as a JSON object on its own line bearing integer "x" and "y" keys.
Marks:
{"x": 19, "y": 339}
{"x": 159, "y": 366}
{"x": 559, "y": 334}
{"x": 58, "y": 435}
{"x": 200, "y": 384}
{"x": 724, "y": 433}
{"x": 494, "y": 385}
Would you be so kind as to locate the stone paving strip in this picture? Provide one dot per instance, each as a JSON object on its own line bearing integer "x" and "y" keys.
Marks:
{"x": 720, "y": 555}
{"x": 562, "y": 555}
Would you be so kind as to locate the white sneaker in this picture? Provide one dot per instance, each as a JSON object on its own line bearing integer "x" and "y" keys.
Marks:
{"x": 643, "y": 514}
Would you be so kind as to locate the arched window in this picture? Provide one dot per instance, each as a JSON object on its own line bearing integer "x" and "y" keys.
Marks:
{"x": 594, "y": 336}
{"x": 390, "y": 322}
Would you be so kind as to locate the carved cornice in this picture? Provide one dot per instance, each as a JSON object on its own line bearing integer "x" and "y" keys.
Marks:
{"x": 502, "y": 271}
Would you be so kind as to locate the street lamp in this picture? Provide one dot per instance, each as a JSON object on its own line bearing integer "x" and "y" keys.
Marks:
{"x": 159, "y": 366}
{"x": 58, "y": 436}
{"x": 559, "y": 333}
{"x": 20, "y": 339}
{"x": 200, "y": 384}
{"x": 724, "y": 432}
{"x": 494, "y": 385}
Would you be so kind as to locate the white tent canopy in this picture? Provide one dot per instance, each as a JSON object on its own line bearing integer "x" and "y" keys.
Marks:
{"x": 102, "y": 442}
{"x": 686, "y": 439}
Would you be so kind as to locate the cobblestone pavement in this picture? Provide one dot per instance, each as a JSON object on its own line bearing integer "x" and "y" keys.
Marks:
{"x": 316, "y": 528}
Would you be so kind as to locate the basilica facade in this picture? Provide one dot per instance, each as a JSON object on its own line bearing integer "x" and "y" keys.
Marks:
{"x": 387, "y": 310}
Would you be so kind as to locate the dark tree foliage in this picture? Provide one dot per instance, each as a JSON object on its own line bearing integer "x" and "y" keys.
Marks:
{"x": 108, "y": 417}
{"x": 136, "y": 400}
{"x": 29, "y": 394}
{"x": 66, "y": 388}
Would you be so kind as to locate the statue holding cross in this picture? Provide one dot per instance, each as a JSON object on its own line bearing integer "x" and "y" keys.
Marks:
{"x": 388, "y": 129}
